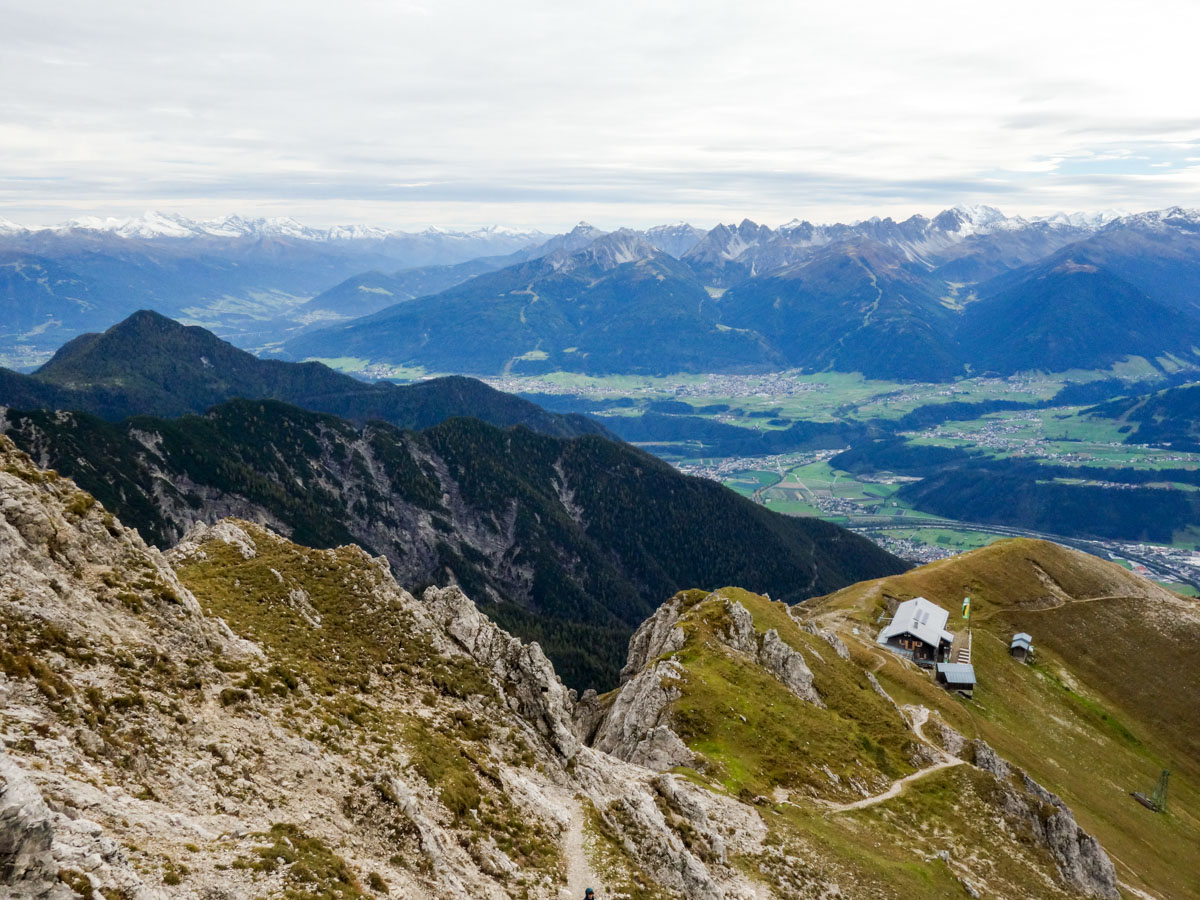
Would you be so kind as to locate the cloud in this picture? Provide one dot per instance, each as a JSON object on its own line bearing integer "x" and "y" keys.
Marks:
{"x": 543, "y": 113}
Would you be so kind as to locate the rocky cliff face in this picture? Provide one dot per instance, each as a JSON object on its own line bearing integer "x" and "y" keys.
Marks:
{"x": 570, "y": 542}
{"x": 243, "y": 716}
{"x": 1080, "y": 859}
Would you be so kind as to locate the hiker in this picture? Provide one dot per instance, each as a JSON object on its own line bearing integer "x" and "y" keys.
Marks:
{"x": 589, "y": 894}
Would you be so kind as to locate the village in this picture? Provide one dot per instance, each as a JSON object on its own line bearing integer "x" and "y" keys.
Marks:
{"x": 1024, "y": 434}
{"x": 702, "y": 387}
{"x": 851, "y": 501}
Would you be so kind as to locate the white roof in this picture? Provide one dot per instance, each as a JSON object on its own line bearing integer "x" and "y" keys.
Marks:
{"x": 921, "y": 619}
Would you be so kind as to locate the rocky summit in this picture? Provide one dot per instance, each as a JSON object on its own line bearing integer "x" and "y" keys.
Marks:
{"x": 242, "y": 716}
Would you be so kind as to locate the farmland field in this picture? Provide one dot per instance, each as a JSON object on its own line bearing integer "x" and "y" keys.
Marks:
{"x": 774, "y": 437}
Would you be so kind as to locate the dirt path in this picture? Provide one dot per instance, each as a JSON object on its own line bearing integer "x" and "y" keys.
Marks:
{"x": 897, "y": 786}
{"x": 580, "y": 876}
{"x": 919, "y": 716}
{"x": 1041, "y": 609}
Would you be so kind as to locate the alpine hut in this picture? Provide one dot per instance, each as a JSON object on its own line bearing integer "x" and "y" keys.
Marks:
{"x": 918, "y": 631}
{"x": 1021, "y": 647}
{"x": 957, "y": 677}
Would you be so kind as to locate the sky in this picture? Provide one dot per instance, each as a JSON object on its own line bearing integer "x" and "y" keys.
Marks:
{"x": 530, "y": 113}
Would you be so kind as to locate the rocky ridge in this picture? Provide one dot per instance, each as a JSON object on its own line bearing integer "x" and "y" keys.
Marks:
{"x": 1081, "y": 860}
{"x": 243, "y": 716}
{"x": 545, "y": 533}
{"x": 353, "y": 740}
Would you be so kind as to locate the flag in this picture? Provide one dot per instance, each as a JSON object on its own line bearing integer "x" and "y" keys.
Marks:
{"x": 966, "y": 607}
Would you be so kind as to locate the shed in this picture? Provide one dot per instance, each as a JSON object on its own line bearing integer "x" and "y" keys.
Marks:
{"x": 1021, "y": 646}
{"x": 918, "y": 631}
{"x": 957, "y": 676}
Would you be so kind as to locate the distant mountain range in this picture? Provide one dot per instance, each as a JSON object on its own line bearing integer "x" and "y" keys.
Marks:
{"x": 967, "y": 292}
{"x": 154, "y": 224}
{"x": 242, "y": 277}
{"x": 616, "y": 305}
{"x": 368, "y": 292}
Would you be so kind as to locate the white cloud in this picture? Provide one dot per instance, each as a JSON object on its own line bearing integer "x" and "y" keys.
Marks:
{"x": 543, "y": 113}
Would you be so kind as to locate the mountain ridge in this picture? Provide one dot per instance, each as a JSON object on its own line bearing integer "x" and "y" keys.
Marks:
{"x": 149, "y": 364}
{"x": 821, "y": 297}
{"x": 268, "y": 717}
{"x": 562, "y": 539}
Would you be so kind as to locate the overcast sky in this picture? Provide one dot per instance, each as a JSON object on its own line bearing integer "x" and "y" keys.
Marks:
{"x": 544, "y": 113}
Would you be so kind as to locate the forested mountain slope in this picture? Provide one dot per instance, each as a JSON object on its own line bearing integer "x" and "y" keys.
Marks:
{"x": 570, "y": 542}
{"x": 151, "y": 365}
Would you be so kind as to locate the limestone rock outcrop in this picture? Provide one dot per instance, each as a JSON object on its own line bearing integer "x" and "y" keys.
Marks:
{"x": 788, "y": 666}
{"x": 771, "y": 652}
{"x": 637, "y": 727}
{"x": 1080, "y": 858}
{"x": 27, "y": 867}
{"x": 531, "y": 686}
{"x": 657, "y": 636}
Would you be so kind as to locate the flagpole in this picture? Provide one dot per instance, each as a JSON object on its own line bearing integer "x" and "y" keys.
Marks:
{"x": 966, "y": 612}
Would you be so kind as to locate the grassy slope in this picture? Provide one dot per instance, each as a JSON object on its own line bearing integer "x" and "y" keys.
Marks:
{"x": 364, "y": 651}
{"x": 1109, "y": 703}
{"x": 757, "y": 736}
{"x": 890, "y": 850}
{"x": 759, "y": 740}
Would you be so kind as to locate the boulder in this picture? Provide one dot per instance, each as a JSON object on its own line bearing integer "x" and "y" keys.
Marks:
{"x": 27, "y": 867}
{"x": 636, "y": 728}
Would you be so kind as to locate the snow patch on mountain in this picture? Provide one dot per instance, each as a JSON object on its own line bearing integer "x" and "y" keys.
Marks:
{"x": 155, "y": 224}
{"x": 1173, "y": 218}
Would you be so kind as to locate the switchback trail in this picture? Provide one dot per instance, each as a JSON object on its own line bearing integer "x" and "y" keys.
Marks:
{"x": 920, "y": 715}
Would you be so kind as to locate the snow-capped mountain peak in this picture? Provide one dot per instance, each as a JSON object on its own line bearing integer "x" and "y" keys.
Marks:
{"x": 1081, "y": 219}
{"x": 964, "y": 220}
{"x": 980, "y": 216}
{"x": 505, "y": 230}
{"x": 150, "y": 224}
{"x": 1172, "y": 218}
{"x": 605, "y": 252}
{"x": 155, "y": 224}
{"x": 357, "y": 232}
